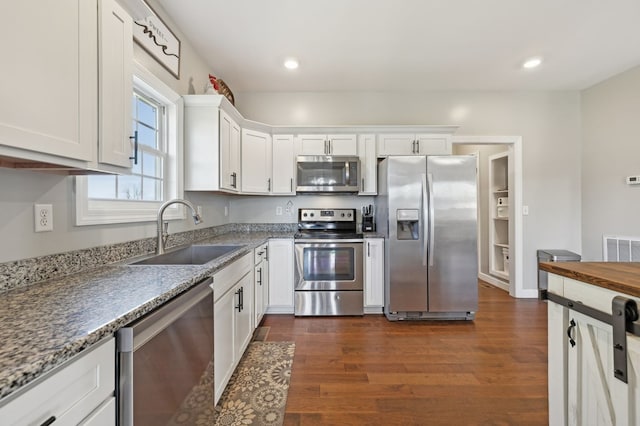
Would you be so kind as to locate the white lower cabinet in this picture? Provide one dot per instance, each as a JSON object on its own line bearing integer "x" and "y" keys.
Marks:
{"x": 105, "y": 415}
{"x": 281, "y": 276}
{"x": 582, "y": 387}
{"x": 81, "y": 391}
{"x": 261, "y": 283}
{"x": 232, "y": 319}
{"x": 373, "y": 275}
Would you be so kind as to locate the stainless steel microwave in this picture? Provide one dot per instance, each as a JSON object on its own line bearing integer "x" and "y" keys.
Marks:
{"x": 327, "y": 173}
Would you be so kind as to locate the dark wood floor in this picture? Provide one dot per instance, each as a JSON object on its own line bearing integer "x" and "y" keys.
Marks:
{"x": 367, "y": 370}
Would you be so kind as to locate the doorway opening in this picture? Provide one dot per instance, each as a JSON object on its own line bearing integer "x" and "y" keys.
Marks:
{"x": 500, "y": 228}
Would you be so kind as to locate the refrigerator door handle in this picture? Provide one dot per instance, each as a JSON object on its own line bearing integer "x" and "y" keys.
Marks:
{"x": 424, "y": 219}
{"x": 432, "y": 221}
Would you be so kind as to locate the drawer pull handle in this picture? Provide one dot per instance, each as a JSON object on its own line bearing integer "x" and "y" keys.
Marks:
{"x": 49, "y": 421}
{"x": 570, "y": 333}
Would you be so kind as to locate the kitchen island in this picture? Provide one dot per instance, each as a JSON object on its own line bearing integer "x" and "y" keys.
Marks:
{"x": 50, "y": 322}
{"x": 594, "y": 351}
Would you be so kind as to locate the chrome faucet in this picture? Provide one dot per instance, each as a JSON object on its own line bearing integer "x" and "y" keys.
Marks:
{"x": 163, "y": 227}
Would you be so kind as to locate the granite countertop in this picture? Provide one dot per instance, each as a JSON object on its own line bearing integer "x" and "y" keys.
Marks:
{"x": 47, "y": 323}
{"x": 623, "y": 277}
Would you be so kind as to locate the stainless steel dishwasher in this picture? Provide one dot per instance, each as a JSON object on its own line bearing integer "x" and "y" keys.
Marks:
{"x": 165, "y": 363}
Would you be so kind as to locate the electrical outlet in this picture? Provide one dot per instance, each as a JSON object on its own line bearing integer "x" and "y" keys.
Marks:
{"x": 279, "y": 211}
{"x": 226, "y": 211}
{"x": 43, "y": 217}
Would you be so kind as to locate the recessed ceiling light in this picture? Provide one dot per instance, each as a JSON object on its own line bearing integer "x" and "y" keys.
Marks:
{"x": 291, "y": 64}
{"x": 532, "y": 63}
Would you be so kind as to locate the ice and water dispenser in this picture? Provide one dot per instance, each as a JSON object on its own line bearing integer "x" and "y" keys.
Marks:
{"x": 408, "y": 224}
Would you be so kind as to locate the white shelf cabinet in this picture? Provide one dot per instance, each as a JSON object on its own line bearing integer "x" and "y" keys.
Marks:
{"x": 336, "y": 144}
{"x": 499, "y": 216}
{"x": 256, "y": 162}
{"x": 368, "y": 164}
{"x": 413, "y": 144}
{"x": 281, "y": 279}
{"x": 78, "y": 392}
{"x": 373, "y": 275}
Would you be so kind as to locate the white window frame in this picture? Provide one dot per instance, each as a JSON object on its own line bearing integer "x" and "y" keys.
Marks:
{"x": 98, "y": 212}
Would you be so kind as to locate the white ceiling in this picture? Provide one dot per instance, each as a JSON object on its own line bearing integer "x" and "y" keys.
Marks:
{"x": 387, "y": 45}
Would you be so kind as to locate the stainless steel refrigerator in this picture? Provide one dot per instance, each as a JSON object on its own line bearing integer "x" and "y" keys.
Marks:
{"x": 427, "y": 210}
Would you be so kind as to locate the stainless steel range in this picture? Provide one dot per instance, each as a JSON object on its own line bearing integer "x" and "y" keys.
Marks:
{"x": 329, "y": 265}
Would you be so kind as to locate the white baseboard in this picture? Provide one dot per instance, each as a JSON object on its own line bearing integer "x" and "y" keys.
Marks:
{"x": 279, "y": 310}
{"x": 489, "y": 279}
{"x": 373, "y": 310}
{"x": 525, "y": 293}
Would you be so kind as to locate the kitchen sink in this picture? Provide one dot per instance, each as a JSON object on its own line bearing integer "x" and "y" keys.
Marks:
{"x": 191, "y": 255}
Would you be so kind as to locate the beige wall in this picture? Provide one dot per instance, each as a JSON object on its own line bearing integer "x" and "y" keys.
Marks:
{"x": 610, "y": 153}
{"x": 549, "y": 123}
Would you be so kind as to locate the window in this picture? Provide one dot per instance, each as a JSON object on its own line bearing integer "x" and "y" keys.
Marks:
{"x": 146, "y": 179}
{"x": 136, "y": 197}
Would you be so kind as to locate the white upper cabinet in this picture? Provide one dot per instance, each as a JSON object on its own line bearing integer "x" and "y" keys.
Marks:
{"x": 256, "y": 162}
{"x": 327, "y": 144}
{"x": 66, "y": 99}
{"x": 116, "y": 85}
{"x": 48, "y": 94}
{"x": 229, "y": 153}
{"x": 368, "y": 165}
{"x": 284, "y": 165}
{"x": 211, "y": 144}
{"x": 413, "y": 144}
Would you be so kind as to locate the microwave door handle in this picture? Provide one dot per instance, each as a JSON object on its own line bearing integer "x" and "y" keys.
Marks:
{"x": 424, "y": 219}
{"x": 346, "y": 172}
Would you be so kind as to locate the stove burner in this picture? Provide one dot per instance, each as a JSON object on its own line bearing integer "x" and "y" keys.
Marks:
{"x": 327, "y": 224}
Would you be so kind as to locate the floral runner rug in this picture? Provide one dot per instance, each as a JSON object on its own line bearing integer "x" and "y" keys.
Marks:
{"x": 257, "y": 391}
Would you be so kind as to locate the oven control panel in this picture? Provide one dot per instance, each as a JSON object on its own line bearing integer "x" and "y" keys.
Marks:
{"x": 326, "y": 215}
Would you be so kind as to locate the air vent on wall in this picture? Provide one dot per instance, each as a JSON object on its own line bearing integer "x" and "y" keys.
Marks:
{"x": 620, "y": 249}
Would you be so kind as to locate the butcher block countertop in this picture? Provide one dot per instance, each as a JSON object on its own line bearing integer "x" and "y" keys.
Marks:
{"x": 623, "y": 277}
